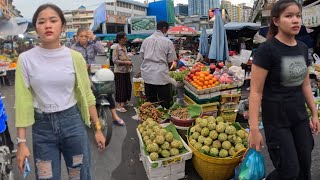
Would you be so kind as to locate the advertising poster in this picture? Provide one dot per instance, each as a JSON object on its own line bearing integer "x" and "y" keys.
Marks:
{"x": 143, "y": 25}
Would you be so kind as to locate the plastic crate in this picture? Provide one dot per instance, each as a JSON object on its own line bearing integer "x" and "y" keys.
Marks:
{"x": 171, "y": 168}
{"x": 201, "y": 101}
{"x": 229, "y": 115}
{"x": 210, "y": 96}
{"x": 209, "y": 107}
{"x": 203, "y": 91}
{"x": 213, "y": 113}
{"x": 228, "y": 106}
{"x": 228, "y": 98}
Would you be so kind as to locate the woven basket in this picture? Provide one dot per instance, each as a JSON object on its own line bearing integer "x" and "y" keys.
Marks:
{"x": 209, "y": 167}
{"x": 182, "y": 122}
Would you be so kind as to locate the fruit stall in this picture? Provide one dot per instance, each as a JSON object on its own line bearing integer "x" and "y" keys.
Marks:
{"x": 214, "y": 145}
{"x": 200, "y": 125}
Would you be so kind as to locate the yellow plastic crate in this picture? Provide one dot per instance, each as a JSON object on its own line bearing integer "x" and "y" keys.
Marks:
{"x": 227, "y": 98}
{"x": 229, "y": 115}
{"x": 205, "y": 107}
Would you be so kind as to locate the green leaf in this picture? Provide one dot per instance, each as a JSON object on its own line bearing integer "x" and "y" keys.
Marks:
{"x": 154, "y": 165}
{"x": 195, "y": 110}
{"x": 237, "y": 126}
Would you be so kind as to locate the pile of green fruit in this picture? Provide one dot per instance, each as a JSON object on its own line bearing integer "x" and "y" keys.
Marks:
{"x": 217, "y": 138}
{"x": 178, "y": 75}
{"x": 158, "y": 141}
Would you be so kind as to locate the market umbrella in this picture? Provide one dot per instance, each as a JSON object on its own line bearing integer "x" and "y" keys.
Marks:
{"x": 219, "y": 43}
{"x": 204, "y": 44}
{"x": 11, "y": 27}
{"x": 182, "y": 30}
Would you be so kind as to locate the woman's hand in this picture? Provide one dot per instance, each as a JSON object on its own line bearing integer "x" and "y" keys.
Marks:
{"x": 129, "y": 63}
{"x": 255, "y": 139}
{"x": 315, "y": 125}
{"x": 22, "y": 153}
{"x": 100, "y": 140}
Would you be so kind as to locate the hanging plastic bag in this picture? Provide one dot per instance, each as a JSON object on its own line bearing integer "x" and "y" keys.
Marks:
{"x": 253, "y": 166}
{"x": 3, "y": 117}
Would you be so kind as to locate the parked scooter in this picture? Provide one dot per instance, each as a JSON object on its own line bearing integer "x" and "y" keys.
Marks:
{"x": 103, "y": 86}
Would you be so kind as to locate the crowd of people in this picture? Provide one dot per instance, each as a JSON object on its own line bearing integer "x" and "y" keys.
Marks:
{"x": 58, "y": 102}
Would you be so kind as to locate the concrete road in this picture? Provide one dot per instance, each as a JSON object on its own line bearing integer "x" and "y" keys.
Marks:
{"x": 120, "y": 161}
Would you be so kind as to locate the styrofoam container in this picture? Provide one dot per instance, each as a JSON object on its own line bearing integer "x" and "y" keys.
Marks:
{"x": 171, "y": 168}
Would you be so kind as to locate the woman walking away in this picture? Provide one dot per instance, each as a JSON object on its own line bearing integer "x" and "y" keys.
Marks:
{"x": 280, "y": 84}
{"x": 56, "y": 101}
{"x": 122, "y": 69}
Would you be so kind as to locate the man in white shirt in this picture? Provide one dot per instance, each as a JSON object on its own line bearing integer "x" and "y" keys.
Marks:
{"x": 158, "y": 53}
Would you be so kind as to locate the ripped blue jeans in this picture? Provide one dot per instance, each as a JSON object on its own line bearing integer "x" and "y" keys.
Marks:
{"x": 59, "y": 133}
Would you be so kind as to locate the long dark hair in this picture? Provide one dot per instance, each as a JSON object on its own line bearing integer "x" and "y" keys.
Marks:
{"x": 119, "y": 36}
{"x": 276, "y": 12}
{"x": 45, "y": 6}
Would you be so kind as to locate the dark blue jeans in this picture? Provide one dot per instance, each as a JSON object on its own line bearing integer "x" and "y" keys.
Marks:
{"x": 59, "y": 133}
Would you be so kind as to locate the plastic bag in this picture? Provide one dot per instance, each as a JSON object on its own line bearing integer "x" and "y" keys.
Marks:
{"x": 3, "y": 117}
{"x": 253, "y": 166}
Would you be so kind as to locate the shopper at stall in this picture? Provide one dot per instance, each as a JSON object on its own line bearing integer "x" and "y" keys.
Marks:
{"x": 93, "y": 49}
{"x": 157, "y": 52}
{"x": 280, "y": 84}
{"x": 122, "y": 69}
{"x": 53, "y": 96}
{"x": 87, "y": 45}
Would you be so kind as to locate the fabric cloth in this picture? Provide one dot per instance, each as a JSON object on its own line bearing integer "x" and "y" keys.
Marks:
{"x": 285, "y": 119}
{"x": 123, "y": 87}
{"x": 54, "y": 91}
{"x": 289, "y": 139}
{"x": 111, "y": 101}
{"x": 59, "y": 133}
{"x": 157, "y": 52}
{"x": 159, "y": 93}
{"x": 90, "y": 51}
{"x": 199, "y": 57}
{"x": 287, "y": 68}
{"x": 24, "y": 98}
{"x": 119, "y": 55}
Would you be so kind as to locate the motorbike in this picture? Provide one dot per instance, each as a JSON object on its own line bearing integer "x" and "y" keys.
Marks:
{"x": 102, "y": 82}
{"x": 7, "y": 154}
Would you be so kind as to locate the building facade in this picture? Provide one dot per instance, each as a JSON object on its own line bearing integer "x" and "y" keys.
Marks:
{"x": 181, "y": 10}
{"x": 200, "y": 7}
{"x": 163, "y": 10}
{"x": 117, "y": 13}
{"x": 237, "y": 13}
{"x": 80, "y": 17}
{"x": 8, "y": 10}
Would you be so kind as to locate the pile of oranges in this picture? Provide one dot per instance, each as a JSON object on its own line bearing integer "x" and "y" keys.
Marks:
{"x": 202, "y": 80}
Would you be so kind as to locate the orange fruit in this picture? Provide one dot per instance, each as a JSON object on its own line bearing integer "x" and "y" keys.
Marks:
{"x": 197, "y": 73}
{"x": 217, "y": 83}
{"x": 200, "y": 84}
{"x": 206, "y": 73}
{"x": 206, "y": 83}
{"x": 205, "y": 87}
{"x": 207, "y": 78}
{"x": 211, "y": 82}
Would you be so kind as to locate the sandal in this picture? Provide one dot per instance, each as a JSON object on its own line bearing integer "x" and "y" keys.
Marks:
{"x": 119, "y": 122}
{"x": 123, "y": 110}
{"x": 128, "y": 104}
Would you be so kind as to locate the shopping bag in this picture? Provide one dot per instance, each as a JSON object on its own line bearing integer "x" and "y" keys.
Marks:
{"x": 253, "y": 166}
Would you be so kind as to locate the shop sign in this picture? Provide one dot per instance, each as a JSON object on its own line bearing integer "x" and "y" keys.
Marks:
{"x": 311, "y": 16}
{"x": 116, "y": 19}
{"x": 143, "y": 24}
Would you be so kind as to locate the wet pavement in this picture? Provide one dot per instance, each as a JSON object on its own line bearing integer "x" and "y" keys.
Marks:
{"x": 120, "y": 161}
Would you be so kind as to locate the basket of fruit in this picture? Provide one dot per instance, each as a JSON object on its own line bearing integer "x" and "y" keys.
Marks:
{"x": 163, "y": 152}
{"x": 184, "y": 116}
{"x": 149, "y": 110}
{"x": 218, "y": 147}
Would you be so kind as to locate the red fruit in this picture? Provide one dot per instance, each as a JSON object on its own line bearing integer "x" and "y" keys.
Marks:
{"x": 191, "y": 76}
{"x": 198, "y": 70}
{"x": 217, "y": 69}
{"x": 193, "y": 71}
{"x": 212, "y": 66}
{"x": 221, "y": 64}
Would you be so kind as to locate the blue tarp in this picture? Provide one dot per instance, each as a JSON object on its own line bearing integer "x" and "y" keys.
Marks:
{"x": 219, "y": 43}
{"x": 204, "y": 44}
